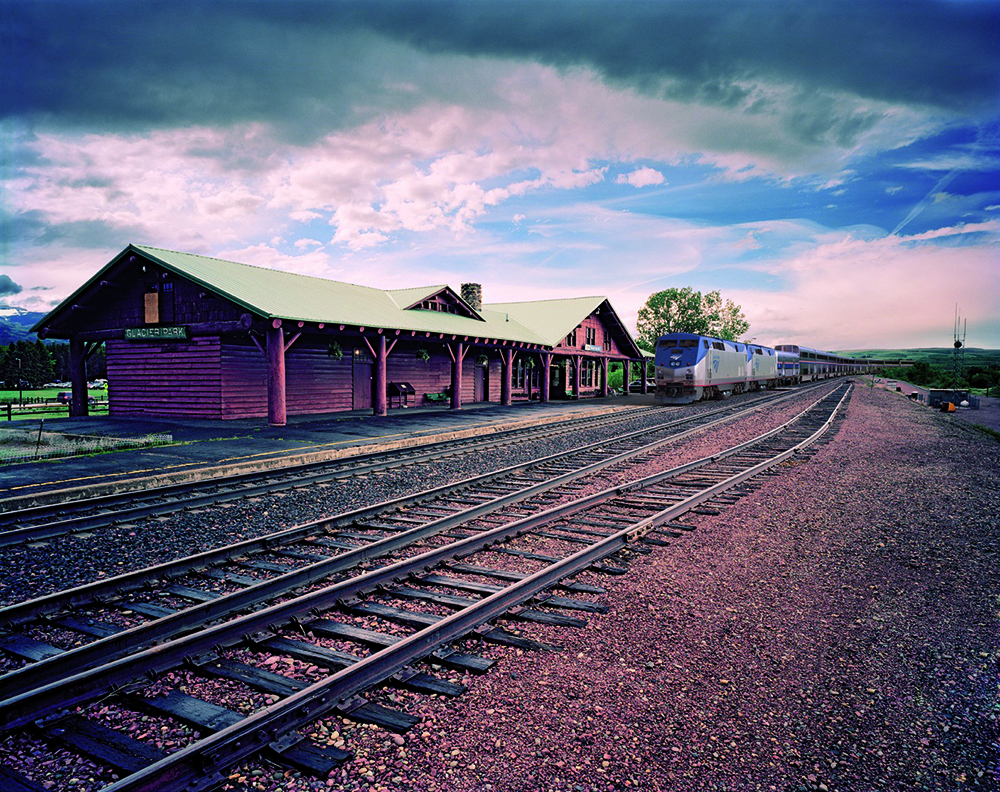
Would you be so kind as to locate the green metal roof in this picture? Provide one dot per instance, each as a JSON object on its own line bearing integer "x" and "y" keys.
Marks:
{"x": 274, "y": 294}
{"x": 553, "y": 320}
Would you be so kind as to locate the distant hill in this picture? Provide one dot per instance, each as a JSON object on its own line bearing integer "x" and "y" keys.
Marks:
{"x": 940, "y": 357}
{"x": 15, "y": 324}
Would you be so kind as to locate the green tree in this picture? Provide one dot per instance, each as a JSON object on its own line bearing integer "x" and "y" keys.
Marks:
{"x": 725, "y": 319}
{"x": 688, "y": 311}
{"x": 25, "y": 361}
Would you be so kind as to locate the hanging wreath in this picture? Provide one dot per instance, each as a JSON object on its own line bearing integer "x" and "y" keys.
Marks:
{"x": 423, "y": 355}
{"x": 482, "y": 360}
{"x": 334, "y": 351}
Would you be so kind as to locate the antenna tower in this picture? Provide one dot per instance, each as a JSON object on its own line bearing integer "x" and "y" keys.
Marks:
{"x": 959, "y": 357}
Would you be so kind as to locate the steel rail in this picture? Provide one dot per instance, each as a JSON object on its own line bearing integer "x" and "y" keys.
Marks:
{"x": 275, "y": 480}
{"x": 129, "y": 581}
{"x": 229, "y": 488}
{"x": 28, "y": 706}
{"x": 196, "y": 767}
{"x": 143, "y": 635}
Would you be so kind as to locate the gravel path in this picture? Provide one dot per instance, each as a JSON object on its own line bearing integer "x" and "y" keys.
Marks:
{"x": 835, "y": 630}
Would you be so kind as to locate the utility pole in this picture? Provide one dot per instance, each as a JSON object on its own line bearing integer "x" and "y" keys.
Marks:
{"x": 959, "y": 346}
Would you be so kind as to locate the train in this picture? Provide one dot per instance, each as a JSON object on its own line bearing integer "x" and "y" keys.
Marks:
{"x": 691, "y": 367}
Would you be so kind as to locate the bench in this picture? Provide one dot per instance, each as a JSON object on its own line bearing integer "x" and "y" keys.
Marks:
{"x": 437, "y": 398}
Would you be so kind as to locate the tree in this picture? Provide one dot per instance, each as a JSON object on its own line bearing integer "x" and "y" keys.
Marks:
{"x": 725, "y": 320}
{"x": 27, "y": 362}
{"x": 688, "y": 311}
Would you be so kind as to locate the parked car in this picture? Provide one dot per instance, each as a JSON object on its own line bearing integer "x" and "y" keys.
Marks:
{"x": 635, "y": 386}
{"x": 65, "y": 397}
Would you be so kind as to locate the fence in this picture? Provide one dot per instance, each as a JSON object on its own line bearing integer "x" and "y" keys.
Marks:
{"x": 29, "y": 443}
{"x": 40, "y": 406}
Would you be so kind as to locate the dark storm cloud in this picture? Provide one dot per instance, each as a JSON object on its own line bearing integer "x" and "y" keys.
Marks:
{"x": 8, "y": 286}
{"x": 314, "y": 64}
{"x": 940, "y": 53}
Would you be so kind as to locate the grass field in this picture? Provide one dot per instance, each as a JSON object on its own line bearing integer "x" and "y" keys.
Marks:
{"x": 939, "y": 357}
{"x": 47, "y": 407}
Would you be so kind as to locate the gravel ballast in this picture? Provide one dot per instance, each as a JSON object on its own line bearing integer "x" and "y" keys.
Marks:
{"x": 836, "y": 629}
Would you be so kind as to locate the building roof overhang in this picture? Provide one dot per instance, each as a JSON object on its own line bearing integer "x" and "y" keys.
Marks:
{"x": 270, "y": 294}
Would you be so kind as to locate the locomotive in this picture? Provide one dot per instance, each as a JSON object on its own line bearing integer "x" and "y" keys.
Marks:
{"x": 691, "y": 367}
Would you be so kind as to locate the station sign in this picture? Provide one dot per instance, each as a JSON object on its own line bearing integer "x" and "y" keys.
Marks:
{"x": 591, "y": 348}
{"x": 166, "y": 333}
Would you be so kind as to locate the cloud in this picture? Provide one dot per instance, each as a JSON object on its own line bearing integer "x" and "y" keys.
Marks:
{"x": 8, "y": 287}
{"x": 334, "y": 65}
{"x": 852, "y": 293}
{"x": 643, "y": 177}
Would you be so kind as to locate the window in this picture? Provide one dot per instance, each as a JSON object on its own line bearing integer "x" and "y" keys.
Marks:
{"x": 704, "y": 342}
{"x": 591, "y": 336}
{"x": 719, "y": 345}
{"x": 588, "y": 373}
{"x": 571, "y": 339}
{"x": 758, "y": 351}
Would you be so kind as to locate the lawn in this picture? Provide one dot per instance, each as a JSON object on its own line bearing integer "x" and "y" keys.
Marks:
{"x": 47, "y": 401}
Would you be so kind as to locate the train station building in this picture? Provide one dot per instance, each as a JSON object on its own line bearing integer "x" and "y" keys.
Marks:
{"x": 189, "y": 335}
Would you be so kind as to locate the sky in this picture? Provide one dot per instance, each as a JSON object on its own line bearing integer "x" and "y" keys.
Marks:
{"x": 832, "y": 167}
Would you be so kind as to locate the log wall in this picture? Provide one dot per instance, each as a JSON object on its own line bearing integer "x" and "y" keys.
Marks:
{"x": 173, "y": 379}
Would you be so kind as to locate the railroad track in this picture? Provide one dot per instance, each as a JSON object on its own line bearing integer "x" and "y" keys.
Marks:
{"x": 44, "y": 521}
{"x": 38, "y": 523}
{"x": 427, "y": 595}
{"x": 96, "y": 622}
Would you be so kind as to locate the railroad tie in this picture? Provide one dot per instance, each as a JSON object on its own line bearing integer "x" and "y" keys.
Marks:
{"x": 28, "y": 648}
{"x": 148, "y": 609}
{"x": 106, "y": 746}
{"x": 449, "y": 658}
{"x": 503, "y": 574}
{"x": 88, "y": 626}
{"x": 12, "y": 782}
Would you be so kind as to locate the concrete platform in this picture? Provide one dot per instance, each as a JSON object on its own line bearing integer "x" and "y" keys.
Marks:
{"x": 209, "y": 449}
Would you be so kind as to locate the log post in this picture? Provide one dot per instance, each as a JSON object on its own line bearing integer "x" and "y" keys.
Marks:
{"x": 604, "y": 378}
{"x": 380, "y": 354}
{"x": 78, "y": 406}
{"x": 645, "y": 375}
{"x": 577, "y": 375}
{"x": 544, "y": 383}
{"x": 506, "y": 373}
{"x": 277, "y": 409}
{"x": 626, "y": 375}
{"x": 457, "y": 354}
{"x": 381, "y": 406}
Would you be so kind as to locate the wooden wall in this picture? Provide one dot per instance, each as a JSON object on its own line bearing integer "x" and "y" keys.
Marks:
{"x": 315, "y": 382}
{"x": 169, "y": 378}
{"x": 122, "y": 300}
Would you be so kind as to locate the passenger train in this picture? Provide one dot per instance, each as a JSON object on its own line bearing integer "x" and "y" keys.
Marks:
{"x": 690, "y": 367}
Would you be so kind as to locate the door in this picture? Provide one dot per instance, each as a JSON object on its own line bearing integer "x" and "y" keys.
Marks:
{"x": 479, "y": 385}
{"x": 362, "y": 380}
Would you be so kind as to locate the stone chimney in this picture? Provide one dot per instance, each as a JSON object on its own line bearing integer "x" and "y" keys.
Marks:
{"x": 472, "y": 293}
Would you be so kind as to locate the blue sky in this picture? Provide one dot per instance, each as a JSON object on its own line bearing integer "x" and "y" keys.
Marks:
{"x": 833, "y": 167}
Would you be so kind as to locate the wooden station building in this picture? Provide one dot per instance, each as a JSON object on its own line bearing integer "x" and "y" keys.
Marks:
{"x": 188, "y": 335}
